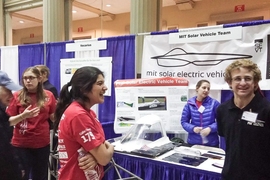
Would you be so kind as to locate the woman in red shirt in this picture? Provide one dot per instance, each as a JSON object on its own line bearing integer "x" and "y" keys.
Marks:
{"x": 78, "y": 124}
{"x": 30, "y": 110}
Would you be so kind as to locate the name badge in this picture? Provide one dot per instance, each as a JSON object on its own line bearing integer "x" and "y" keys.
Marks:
{"x": 201, "y": 109}
{"x": 249, "y": 116}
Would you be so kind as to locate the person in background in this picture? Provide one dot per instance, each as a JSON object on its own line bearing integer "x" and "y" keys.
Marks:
{"x": 44, "y": 75}
{"x": 244, "y": 122}
{"x": 9, "y": 163}
{"x": 78, "y": 124}
{"x": 199, "y": 117}
{"x": 29, "y": 111}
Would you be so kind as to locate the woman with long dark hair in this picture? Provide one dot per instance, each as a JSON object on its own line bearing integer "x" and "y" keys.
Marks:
{"x": 78, "y": 126}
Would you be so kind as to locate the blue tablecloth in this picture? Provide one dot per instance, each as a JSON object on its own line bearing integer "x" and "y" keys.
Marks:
{"x": 151, "y": 169}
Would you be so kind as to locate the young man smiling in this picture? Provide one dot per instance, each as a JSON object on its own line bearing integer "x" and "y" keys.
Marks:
{"x": 244, "y": 122}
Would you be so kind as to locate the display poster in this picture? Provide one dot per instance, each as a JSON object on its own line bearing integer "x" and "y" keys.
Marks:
{"x": 164, "y": 97}
{"x": 69, "y": 66}
{"x": 204, "y": 53}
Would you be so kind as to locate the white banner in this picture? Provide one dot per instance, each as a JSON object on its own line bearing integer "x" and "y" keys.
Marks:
{"x": 206, "y": 59}
{"x": 10, "y": 62}
{"x": 69, "y": 66}
{"x": 164, "y": 97}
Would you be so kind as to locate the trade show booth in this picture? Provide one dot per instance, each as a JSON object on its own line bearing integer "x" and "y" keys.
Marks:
{"x": 171, "y": 64}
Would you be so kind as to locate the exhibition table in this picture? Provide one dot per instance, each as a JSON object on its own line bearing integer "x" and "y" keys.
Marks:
{"x": 158, "y": 169}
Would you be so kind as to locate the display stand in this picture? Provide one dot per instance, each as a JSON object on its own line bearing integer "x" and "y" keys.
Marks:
{"x": 117, "y": 167}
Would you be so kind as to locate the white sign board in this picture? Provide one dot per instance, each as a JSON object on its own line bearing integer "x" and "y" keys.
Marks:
{"x": 205, "y": 53}
{"x": 69, "y": 66}
{"x": 164, "y": 97}
{"x": 86, "y": 45}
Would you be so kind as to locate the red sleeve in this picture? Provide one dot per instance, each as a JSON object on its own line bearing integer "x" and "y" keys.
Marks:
{"x": 12, "y": 109}
{"x": 87, "y": 131}
{"x": 52, "y": 102}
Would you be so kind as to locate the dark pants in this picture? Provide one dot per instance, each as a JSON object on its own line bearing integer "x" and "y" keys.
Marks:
{"x": 34, "y": 162}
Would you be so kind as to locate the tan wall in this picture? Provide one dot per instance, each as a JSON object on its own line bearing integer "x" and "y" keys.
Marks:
{"x": 220, "y": 10}
{"x": 201, "y": 12}
{"x": 22, "y": 36}
{"x": 96, "y": 28}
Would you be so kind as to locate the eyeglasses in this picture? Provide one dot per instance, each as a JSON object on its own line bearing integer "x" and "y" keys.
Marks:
{"x": 29, "y": 77}
{"x": 247, "y": 79}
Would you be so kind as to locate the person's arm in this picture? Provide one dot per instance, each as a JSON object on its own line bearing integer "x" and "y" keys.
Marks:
{"x": 185, "y": 120}
{"x": 219, "y": 121}
{"x": 52, "y": 107}
{"x": 52, "y": 117}
{"x": 213, "y": 127}
{"x": 54, "y": 91}
{"x": 87, "y": 162}
{"x": 206, "y": 131}
{"x": 27, "y": 113}
{"x": 92, "y": 139}
{"x": 103, "y": 153}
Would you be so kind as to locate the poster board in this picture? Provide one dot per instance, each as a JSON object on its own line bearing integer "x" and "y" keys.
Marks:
{"x": 164, "y": 97}
{"x": 69, "y": 66}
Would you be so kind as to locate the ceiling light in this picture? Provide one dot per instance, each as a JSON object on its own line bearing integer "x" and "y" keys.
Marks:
{"x": 21, "y": 21}
{"x": 74, "y": 11}
{"x": 108, "y": 5}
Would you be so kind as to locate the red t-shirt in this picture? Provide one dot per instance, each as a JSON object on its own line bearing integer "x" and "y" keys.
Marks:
{"x": 77, "y": 128}
{"x": 199, "y": 103}
{"x": 32, "y": 132}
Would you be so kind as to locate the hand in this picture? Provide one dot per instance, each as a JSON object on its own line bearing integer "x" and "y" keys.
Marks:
{"x": 87, "y": 162}
{"x": 29, "y": 113}
{"x": 107, "y": 144}
{"x": 23, "y": 173}
{"x": 205, "y": 132}
{"x": 197, "y": 129}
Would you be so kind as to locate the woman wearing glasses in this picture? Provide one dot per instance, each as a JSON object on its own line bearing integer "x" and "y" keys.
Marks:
{"x": 199, "y": 117}
{"x": 30, "y": 110}
{"x": 244, "y": 122}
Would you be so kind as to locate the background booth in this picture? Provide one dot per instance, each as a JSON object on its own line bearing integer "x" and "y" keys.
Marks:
{"x": 15, "y": 59}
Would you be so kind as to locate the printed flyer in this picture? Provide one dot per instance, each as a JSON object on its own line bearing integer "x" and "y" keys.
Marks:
{"x": 164, "y": 97}
{"x": 69, "y": 66}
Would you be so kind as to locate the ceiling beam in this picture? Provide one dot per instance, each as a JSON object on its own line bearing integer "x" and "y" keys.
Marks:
{"x": 19, "y": 5}
{"x": 29, "y": 18}
{"x": 91, "y": 9}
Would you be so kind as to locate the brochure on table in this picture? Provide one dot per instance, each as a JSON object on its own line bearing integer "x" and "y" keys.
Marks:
{"x": 198, "y": 156}
{"x": 164, "y": 97}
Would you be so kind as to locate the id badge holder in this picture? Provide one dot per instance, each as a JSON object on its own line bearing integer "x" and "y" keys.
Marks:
{"x": 249, "y": 116}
